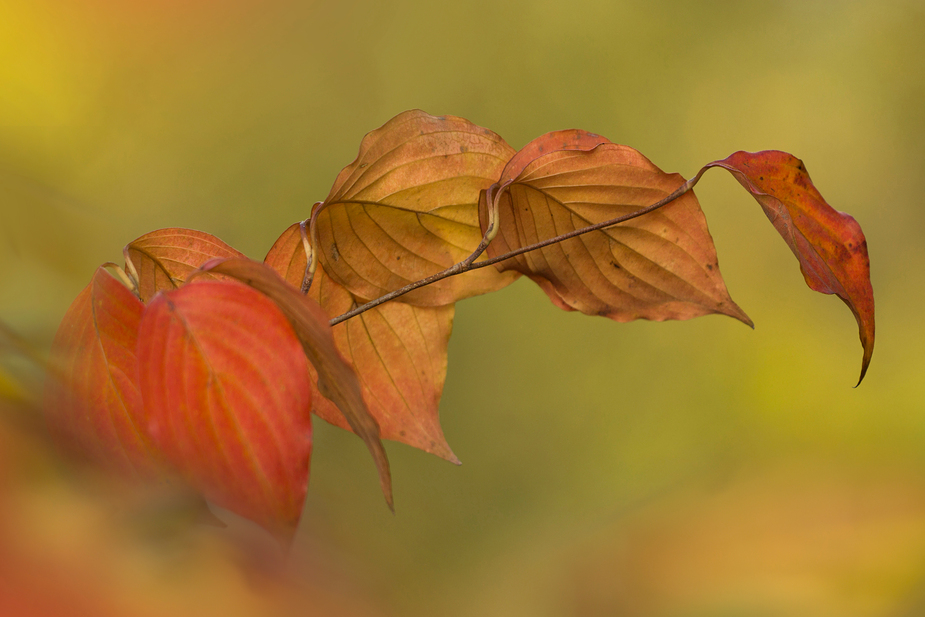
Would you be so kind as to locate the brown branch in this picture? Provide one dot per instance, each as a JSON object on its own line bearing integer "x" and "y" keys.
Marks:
{"x": 470, "y": 264}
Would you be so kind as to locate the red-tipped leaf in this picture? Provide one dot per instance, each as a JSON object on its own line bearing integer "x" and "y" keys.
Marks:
{"x": 829, "y": 245}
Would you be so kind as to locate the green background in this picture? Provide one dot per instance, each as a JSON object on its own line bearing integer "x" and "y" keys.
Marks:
{"x": 664, "y": 469}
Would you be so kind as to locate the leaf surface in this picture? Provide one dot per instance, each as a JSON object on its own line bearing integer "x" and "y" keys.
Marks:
{"x": 164, "y": 258}
{"x": 659, "y": 266}
{"x": 407, "y": 207}
{"x": 398, "y": 351}
{"x": 93, "y": 403}
{"x": 335, "y": 378}
{"x": 227, "y": 399}
{"x": 829, "y": 245}
{"x": 556, "y": 141}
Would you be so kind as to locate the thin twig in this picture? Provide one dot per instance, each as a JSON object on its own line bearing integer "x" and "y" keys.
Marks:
{"x": 470, "y": 264}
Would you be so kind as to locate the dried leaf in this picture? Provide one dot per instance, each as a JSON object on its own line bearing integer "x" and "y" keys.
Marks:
{"x": 829, "y": 245}
{"x": 659, "y": 266}
{"x": 92, "y": 403}
{"x": 164, "y": 258}
{"x": 406, "y": 208}
{"x": 336, "y": 379}
{"x": 227, "y": 399}
{"x": 398, "y": 351}
{"x": 557, "y": 141}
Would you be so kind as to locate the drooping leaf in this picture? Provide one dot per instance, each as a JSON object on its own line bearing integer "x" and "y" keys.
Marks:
{"x": 164, "y": 258}
{"x": 92, "y": 403}
{"x": 227, "y": 398}
{"x": 829, "y": 245}
{"x": 335, "y": 378}
{"x": 659, "y": 266}
{"x": 407, "y": 207}
{"x": 399, "y": 353}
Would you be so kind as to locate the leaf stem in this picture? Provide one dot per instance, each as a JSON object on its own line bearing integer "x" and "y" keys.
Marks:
{"x": 470, "y": 264}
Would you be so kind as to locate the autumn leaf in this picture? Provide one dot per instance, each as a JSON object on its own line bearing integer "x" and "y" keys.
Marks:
{"x": 829, "y": 245}
{"x": 398, "y": 351}
{"x": 164, "y": 258}
{"x": 659, "y": 266}
{"x": 557, "y": 141}
{"x": 336, "y": 380}
{"x": 407, "y": 207}
{"x": 92, "y": 403}
{"x": 227, "y": 399}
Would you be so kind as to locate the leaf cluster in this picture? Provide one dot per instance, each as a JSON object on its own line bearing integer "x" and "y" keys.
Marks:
{"x": 204, "y": 367}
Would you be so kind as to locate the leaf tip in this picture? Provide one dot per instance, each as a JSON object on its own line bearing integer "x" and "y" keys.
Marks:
{"x": 735, "y": 311}
{"x": 865, "y": 362}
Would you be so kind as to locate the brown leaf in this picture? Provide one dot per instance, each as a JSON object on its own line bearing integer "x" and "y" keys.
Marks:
{"x": 227, "y": 399}
{"x": 92, "y": 403}
{"x": 164, "y": 258}
{"x": 406, "y": 208}
{"x": 829, "y": 245}
{"x": 336, "y": 379}
{"x": 659, "y": 266}
{"x": 569, "y": 139}
{"x": 398, "y": 351}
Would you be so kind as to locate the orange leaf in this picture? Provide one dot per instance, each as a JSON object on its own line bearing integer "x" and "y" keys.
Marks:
{"x": 406, "y": 208}
{"x": 398, "y": 351}
{"x": 569, "y": 139}
{"x": 227, "y": 398}
{"x": 659, "y": 266}
{"x": 164, "y": 258}
{"x": 829, "y": 245}
{"x": 336, "y": 379}
{"x": 93, "y": 404}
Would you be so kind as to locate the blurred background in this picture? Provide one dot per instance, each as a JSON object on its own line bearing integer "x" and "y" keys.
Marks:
{"x": 648, "y": 469}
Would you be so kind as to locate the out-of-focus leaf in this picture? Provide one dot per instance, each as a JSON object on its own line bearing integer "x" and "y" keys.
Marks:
{"x": 399, "y": 353}
{"x": 92, "y": 402}
{"x": 227, "y": 398}
{"x": 164, "y": 258}
{"x": 335, "y": 378}
{"x": 659, "y": 266}
{"x": 829, "y": 245}
{"x": 406, "y": 208}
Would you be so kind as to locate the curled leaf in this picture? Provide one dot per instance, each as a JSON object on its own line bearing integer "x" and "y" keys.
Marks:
{"x": 164, "y": 258}
{"x": 829, "y": 245}
{"x": 336, "y": 379}
{"x": 407, "y": 208}
{"x": 398, "y": 351}
{"x": 92, "y": 404}
{"x": 659, "y": 266}
{"x": 227, "y": 399}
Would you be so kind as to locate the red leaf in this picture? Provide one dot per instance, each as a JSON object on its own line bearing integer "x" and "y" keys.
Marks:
{"x": 227, "y": 398}
{"x": 829, "y": 245}
{"x": 93, "y": 404}
{"x": 164, "y": 258}
{"x": 336, "y": 379}
{"x": 398, "y": 351}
